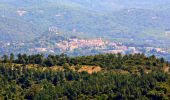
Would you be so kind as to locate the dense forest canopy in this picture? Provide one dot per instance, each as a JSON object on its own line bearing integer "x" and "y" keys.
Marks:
{"x": 122, "y": 77}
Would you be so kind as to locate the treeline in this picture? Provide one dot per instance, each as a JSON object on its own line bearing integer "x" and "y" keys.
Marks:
{"x": 110, "y": 61}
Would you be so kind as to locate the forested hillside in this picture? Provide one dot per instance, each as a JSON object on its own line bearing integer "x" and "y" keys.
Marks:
{"x": 122, "y": 20}
{"x": 60, "y": 77}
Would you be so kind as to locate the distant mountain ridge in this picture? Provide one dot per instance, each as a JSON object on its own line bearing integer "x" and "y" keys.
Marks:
{"x": 122, "y": 19}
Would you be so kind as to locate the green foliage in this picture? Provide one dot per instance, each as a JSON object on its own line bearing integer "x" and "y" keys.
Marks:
{"x": 33, "y": 83}
{"x": 94, "y": 20}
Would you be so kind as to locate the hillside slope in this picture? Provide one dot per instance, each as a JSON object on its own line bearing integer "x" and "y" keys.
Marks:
{"x": 80, "y": 78}
{"x": 115, "y": 19}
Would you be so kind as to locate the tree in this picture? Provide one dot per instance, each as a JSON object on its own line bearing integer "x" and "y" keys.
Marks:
{"x": 49, "y": 62}
{"x": 11, "y": 57}
{"x": 5, "y": 58}
{"x": 162, "y": 60}
{"x": 77, "y": 67}
{"x": 66, "y": 66}
{"x": 39, "y": 59}
{"x": 33, "y": 90}
{"x": 19, "y": 60}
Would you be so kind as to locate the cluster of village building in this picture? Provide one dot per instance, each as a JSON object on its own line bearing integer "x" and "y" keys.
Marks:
{"x": 104, "y": 46}
{"x": 70, "y": 45}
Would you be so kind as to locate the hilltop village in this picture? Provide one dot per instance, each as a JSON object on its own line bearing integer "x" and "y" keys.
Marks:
{"x": 76, "y": 47}
{"x": 103, "y": 46}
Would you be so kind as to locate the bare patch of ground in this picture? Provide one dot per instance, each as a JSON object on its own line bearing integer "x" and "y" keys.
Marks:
{"x": 90, "y": 69}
